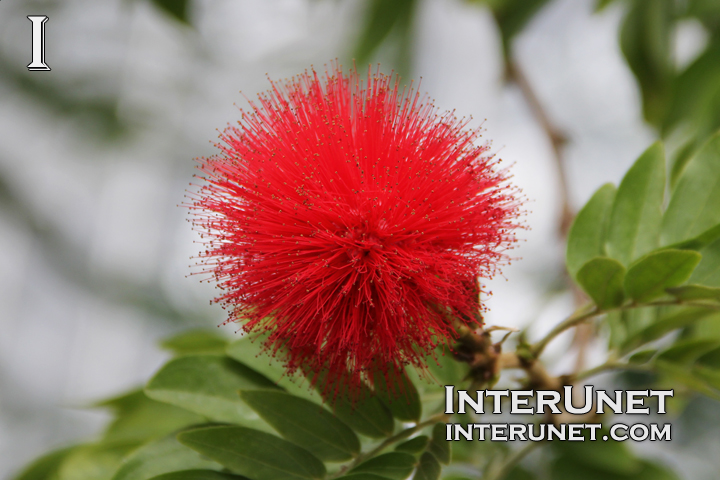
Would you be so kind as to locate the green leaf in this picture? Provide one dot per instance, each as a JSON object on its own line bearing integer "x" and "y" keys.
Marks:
{"x": 438, "y": 445}
{"x": 45, "y": 467}
{"x": 639, "y": 319}
{"x": 518, "y": 473}
{"x": 255, "y": 454}
{"x": 625, "y": 324}
{"x": 667, "y": 323}
{"x": 711, "y": 376}
{"x": 708, "y": 271}
{"x": 138, "y": 417}
{"x": 601, "y": 5}
{"x": 686, "y": 352}
{"x": 700, "y": 242}
{"x": 653, "y": 471}
{"x": 602, "y": 279}
{"x": 586, "y": 239}
{"x": 707, "y": 11}
{"x": 642, "y": 357}
{"x": 572, "y": 469}
{"x": 710, "y": 359}
{"x": 248, "y": 350}
{"x": 708, "y": 327}
{"x": 305, "y": 423}
{"x": 363, "y": 411}
{"x": 208, "y": 385}
{"x": 394, "y": 465}
{"x": 367, "y": 416}
{"x": 445, "y": 370}
{"x": 362, "y": 476}
{"x": 636, "y": 215}
{"x": 428, "y": 469}
{"x": 681, "y": 157}
{"x": 159, "y": 457}
{"x": 178, "y": 9}
{"x": 696, "y": 95}
{"x": 198, "y": 475}
{"x": 195, "y": 342}
{"x": 611, "y": 456}
{"x": 615, "y": 321}
{"x": 403, "y": 400}
{"x": 414, "y": 445}
{"x": 678, "y": 364}
{"x": 95, "y": 461}
{"x": 694, "y": 292}
{"x": 645, "y": 42}
{"x": 648, "y": 278}
{"x": 688, "y": 376}
{"x": 693, "y": 207}
{"x": 381, "y": 18}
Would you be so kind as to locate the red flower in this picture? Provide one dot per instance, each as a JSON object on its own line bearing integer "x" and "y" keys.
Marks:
{"x": 347, "y": 220}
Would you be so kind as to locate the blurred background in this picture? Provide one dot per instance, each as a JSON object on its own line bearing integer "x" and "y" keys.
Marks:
{"x": 96, "y": 155}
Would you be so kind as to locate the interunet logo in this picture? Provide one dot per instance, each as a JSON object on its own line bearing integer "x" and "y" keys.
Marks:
{"x": 549, "y": 401}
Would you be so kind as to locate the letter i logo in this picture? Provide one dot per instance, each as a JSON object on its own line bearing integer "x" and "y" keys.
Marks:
{"x": 38, "y": 43}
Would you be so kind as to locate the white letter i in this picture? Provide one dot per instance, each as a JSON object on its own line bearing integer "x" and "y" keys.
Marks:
{"x": 38, "y": 43}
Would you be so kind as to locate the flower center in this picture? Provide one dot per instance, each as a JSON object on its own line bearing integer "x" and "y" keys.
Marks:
{"x": 363, "y": 244}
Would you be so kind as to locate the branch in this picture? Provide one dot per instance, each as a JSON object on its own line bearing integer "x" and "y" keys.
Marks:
{"x": 580, "y": 315}
{"x": 538, "y": 376}
{"x": 611, "y": 365}
{"x": 589, "y": 311}
{"x": 557, "y": 139}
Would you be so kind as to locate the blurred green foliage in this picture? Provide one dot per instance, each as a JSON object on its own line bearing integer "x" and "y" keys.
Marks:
{"x": 674, "y": 99}
{"x": 387, "y": 21}
{"x": 178, "y": 9}
{"x": 684, "y": 99}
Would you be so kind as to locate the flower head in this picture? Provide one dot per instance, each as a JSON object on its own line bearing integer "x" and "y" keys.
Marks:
{"x": 349, "y": 220}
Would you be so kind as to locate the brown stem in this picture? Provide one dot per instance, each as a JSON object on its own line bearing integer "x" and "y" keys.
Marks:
{"x": 584, "y": 334}
{"x": 609, "y": 366}
{"x": 557, "y": 139}
{"x": 575, "y": 319}
{"x": 587, "y": 312}
{"x": 509, "y": 360}
{"x": 537, "y": 376}
{"x": 540, "y": 379}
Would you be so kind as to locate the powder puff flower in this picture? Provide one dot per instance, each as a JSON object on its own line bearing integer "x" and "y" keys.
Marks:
{"x": 350, "y": 221}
